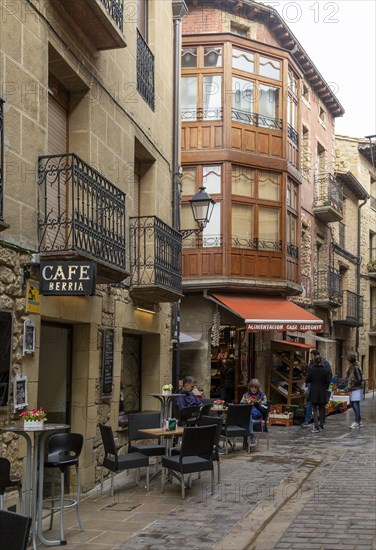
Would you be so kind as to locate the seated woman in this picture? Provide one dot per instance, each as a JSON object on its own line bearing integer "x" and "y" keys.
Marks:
{"x": 257, "y": 398}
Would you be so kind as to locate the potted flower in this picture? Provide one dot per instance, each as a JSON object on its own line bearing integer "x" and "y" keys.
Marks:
{"x": 219, "y": 404}
{"x": 167, "y": 389}
{"x": 34, "y": 420}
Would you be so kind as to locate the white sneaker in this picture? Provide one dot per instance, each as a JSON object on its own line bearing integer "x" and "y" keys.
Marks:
{"x": 361, "y": 424}
{"x": 354, "y": 425}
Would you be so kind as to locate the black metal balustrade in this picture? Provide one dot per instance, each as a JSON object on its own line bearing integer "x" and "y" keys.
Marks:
{"x": 80, "y": 211}
{"x": 1, "y": 158}
{"x": 255, "y": 119}
{"x": 373, "y": 202}
{"x": 256, "y": 243}
{"x": 115, "y": 8}
{"x": 351, "y": 312}
{"x": 328, "y": 287}
{"x": 292, "y": 251}
{"x": 341, "y": 235}
{"x": 329, "y": 193}
{"x": 155, "y": 259}
{"x": 292, "y": 134}
{"x": 145, "y": 71}
{"x": 195, "y": 114}
{"x": 202, "y": 241}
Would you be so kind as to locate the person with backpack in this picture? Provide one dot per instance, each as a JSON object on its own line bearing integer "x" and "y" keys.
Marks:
{"x": 355, "y": 387}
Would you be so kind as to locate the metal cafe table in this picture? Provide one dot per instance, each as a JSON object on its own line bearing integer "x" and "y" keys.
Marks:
{"x": 165, "y": 401}
{"x": 34, "y": 473}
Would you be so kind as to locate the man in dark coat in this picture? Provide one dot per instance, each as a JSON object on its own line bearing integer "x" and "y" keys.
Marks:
{"x": 319, "y": 377}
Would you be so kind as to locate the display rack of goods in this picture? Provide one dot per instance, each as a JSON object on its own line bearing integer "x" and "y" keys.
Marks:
{"x": 281, "y": 419}
{"x": 288, "y": 368}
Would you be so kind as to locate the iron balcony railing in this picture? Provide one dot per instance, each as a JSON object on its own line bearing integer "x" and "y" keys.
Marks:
{"x": 80, "y": 211}
{"x": 195, "y": 114}
{"x": 373, "y": 203}
{"x": 292, "y": 134}
{"x": 292, "y": 251}
{"x": 145, "y": 71}
{"x": 328, "y": 286}
{"x": 351, "y": 312}
{"x": 202, "y": 241}
{"x": 155, "y": 254}
{"x": 329, "y": 193}
{"x": 256, "y": 120}
{"x": 255, "y": 243}
{"x": 115, "y": 8}
{"x": 1, "y": 157}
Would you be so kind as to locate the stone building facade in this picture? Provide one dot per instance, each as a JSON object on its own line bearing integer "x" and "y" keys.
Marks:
{"x": 86, "y": 95}
{"x": 257, "y": 106}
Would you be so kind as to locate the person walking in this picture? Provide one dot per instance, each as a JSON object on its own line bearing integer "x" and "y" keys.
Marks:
{"x": 319, "y": 377}
{"x": 355, "y": 387}
{"x": 308, "y": 412}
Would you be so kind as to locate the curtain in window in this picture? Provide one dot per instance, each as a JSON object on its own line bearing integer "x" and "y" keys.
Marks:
{"x": 268, "y": 224}
{"x": 268, "y": 185}
{"x": 242, "y": 225}
{"x": 242, "y": 100}
{"x": 242, "y": 181}
{"x": 189, "y": 98}
{"x": 212, "y": 97}
{"x": 268, "y": 105}
{"x": 211, "y": 179}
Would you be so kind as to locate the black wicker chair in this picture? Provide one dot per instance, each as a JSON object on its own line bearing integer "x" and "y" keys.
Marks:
{"x": 237, "y": 424}
{"x": 7, "y": 482}
{"x": 118, "y": 463}
{"x": 14, "y": 531}
{"x": 196, "y": 455}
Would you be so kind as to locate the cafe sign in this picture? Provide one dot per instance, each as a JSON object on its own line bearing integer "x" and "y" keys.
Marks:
{"x": 67, "y": 278}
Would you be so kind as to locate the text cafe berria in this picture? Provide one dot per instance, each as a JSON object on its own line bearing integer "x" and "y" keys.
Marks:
{"x": 67, "y": 278}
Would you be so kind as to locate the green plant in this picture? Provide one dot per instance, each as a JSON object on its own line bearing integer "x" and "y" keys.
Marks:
{"x": 167, "y": 387}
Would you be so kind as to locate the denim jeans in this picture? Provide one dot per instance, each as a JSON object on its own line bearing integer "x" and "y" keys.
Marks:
{"x": 308, "y": 413}
{"x": 356, "y": 406}
{"x": 250, "y": 428}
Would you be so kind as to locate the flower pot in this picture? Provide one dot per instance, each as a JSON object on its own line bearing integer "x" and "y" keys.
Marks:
{"x": 166, "y": 392}
{"x": 33, "y": 424}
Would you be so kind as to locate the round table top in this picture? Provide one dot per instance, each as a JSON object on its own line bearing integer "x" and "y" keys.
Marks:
{"x": 19, "y": 428}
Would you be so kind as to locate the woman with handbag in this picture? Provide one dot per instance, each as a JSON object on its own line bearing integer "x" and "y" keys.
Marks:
{"x": 355, "y": 387}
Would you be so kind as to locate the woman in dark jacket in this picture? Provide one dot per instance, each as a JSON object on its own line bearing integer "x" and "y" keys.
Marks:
{"x": 319, "y": 377}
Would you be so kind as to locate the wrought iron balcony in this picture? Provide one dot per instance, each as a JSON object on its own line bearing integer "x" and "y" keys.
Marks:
{"x": 328, "y": 289}
{"x": 292, "y": 251}
{"x": 351, "y": 311}
{"x": 81, "y": 214}
{"x": 255, "y": 119}
{"x": 101, "y": 21}
{"x": 292, "y": 134}
{"x": 145, "y": 71}
{"x": 256, "y": 244}
{"x": 155, "y": 260}
{"x": 328, "y": 204}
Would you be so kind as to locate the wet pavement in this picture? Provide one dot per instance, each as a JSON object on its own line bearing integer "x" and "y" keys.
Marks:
{"x": 308, "y": 490}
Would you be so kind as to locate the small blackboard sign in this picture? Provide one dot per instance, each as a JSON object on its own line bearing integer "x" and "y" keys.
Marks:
{"x": 107, "y": 362}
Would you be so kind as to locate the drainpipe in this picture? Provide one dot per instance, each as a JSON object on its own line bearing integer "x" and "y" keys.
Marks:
{"x": 358, "y": 270}
{"x": 179, "y": 9}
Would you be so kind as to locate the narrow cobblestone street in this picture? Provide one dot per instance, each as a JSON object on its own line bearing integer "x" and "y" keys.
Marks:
{"x": 307, "y": 490}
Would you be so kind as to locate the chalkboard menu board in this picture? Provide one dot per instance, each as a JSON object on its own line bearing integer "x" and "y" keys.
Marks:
{"x": 107, "y": 362}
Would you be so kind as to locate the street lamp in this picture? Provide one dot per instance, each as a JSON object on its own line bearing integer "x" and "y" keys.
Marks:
{"x": 202, "y": 208}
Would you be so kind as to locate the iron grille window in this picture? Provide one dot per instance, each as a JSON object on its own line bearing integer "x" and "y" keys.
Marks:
{"x": 115, "y": 9}
{"x": 1, "y": 158}
{"x": 145, "y": 71}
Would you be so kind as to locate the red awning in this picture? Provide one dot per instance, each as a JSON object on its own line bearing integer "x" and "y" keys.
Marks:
{"x": 269, "y": 313}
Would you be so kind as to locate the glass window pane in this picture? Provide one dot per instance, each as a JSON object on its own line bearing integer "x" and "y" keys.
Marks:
{"x": 243, "y": 61}
{"x": 242, "y": 181}
{"x": 242, "y": 100}
{"x": 211, "y": 179}
{"x": 212, "y": 233}
{"x": 189, "y": 180}
{"x": 212, "y": 97}
{"x": 213, "y": 57}
{"x": 189, "y": 58}
{"x": 271, "y": 68}
{"x": 269, "y": 185}
{"x": 268, "y": 106}
{"x": 242, "y": 225}
{"x": 189, "y": 98}
{"x": 268, "y": 224}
